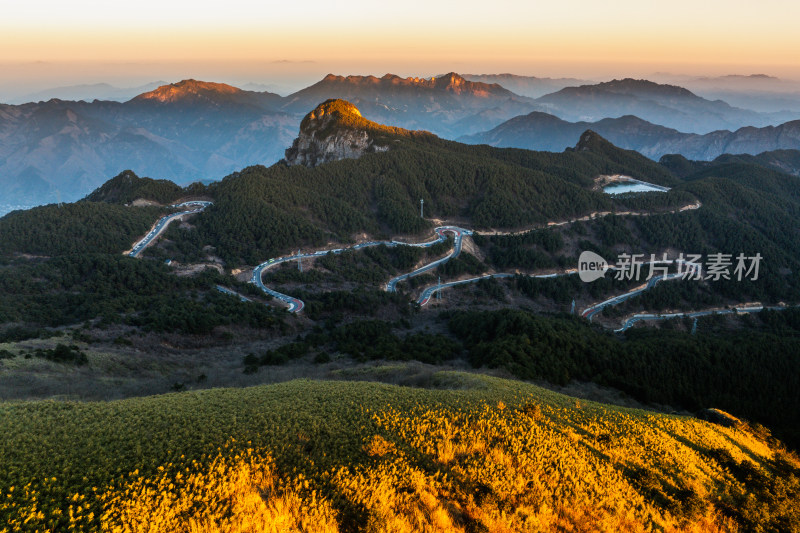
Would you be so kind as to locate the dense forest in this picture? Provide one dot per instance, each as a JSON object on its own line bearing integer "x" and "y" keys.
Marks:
{"x": 116, "y": 289}
{"x": 264, "y": 212}
{"x": 79, "y": 228}
{"x": 747, "y": 207}
{"x": 261, "y": 212}
{"x": 127, "y": 187}
{"x": 744, "y": 371}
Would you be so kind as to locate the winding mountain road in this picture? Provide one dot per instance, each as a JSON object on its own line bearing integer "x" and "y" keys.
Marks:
{"x": 440, "y": 231}
{"x": 695, "y": 314}
{"x": 162, "y": 223}
{"x": 693, "y": 269}
{"x": 295, "y": 305}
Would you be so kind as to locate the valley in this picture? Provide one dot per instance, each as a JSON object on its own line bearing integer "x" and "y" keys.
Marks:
{"x": 146, "y": 291}
{"x": 429, "y": 267}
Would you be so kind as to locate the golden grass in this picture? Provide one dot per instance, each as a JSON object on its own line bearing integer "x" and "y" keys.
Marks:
{"x": 507, "y": 457}
{"x": 238, "y": 493}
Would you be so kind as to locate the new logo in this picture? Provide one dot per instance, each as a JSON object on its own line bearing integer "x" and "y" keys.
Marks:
{"x": 591, "y": 266}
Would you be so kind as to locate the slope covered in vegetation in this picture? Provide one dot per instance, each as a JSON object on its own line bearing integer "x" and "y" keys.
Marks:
{"x": 260, "y": 212}
{"x": 83, "y": 227}
{"x": 483, "y": 454}
{"x": 127, "y": 187}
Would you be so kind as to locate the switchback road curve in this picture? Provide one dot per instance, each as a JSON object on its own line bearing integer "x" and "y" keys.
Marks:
{"x": 295, "y": 305}
{"x": 162, "y": 223}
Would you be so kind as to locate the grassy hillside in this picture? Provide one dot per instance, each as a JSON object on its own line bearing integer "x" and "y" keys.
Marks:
{"x": 477, "y": 454}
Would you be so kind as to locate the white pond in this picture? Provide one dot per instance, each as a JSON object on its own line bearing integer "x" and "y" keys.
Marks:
{"x": 625, "y": 187}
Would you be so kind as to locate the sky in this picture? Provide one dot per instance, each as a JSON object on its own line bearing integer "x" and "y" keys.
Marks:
{"x": 46, "y": 43}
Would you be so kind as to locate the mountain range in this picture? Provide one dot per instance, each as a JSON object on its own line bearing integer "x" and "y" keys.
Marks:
{"x": 758, "y": 92}
{"x": 541, "y": 131}
{"x": 87, "y": 91}
{"x": 188, "y": 132}
{"x": 193, "y": 130}
{"x": 443, "y": 105}
{"x": 667, "y": 105}
{"x": 530, "y": 86}
{"x": 82, "y": 323}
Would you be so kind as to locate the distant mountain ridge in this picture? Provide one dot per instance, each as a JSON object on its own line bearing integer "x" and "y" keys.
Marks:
{"x": 530, "y": 86}
{"x": 72, "y": 147}
{"x": 541, "y": 131}
{"x": 759, "y": 92}
{"x": 193, "y": 92}
{"x": 198, "y": 131}
{"x": 667, "y": 105}
{"x": 443, "y": 105}
{"x": 87, "y": 92}
{"x": 194, "y": 130}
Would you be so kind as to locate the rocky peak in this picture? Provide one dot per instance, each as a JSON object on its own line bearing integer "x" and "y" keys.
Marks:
{"x": 188, "y": 90}
{"x": 593, "y": 142}
{"x": 330, "y": 112}
{"x": 334, "y": 130}
{"x": 450, "y": 83}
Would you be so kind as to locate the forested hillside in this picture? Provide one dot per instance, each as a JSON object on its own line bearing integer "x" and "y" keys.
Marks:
{"x": 128, "y": 187}
{"x": 83, "y": 227}
{"x": 120, "y": 290}
{"x": 261, "y": 212}
{"x": 745, "y": 207}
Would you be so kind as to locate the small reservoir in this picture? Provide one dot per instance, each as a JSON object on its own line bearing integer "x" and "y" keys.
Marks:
{"x": 624, "y": 187}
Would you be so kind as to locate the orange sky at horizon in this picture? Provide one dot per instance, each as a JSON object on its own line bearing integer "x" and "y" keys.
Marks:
{"x": 573, "y": 38}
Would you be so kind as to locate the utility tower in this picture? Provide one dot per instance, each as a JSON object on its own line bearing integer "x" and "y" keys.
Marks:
{"x": 439, "y": 289}
{"x": 299, "y": 262}
{"x": 694, "y": 326}
{"x": 572, "y": 311}
{"x": 58, "y": 195}
{"x": 421, "y": 202}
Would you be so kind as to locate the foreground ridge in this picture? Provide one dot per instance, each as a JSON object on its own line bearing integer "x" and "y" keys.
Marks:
{"x": 483, "y": 454}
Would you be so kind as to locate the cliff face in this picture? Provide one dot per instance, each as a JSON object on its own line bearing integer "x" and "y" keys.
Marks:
{"x": 334, "y": 130}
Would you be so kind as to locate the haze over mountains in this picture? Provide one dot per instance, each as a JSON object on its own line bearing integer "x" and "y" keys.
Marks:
{"x": 530, "y": 86}
{"x": 758, "y": 92}
{"x": 667, "y": 105}
{"x": 444, "y": 105}
{"x": 193, "y": 130}
{"x": 541, "y": 131}
{"x": 88, "y": 92}
{"x": 188, "y": 132}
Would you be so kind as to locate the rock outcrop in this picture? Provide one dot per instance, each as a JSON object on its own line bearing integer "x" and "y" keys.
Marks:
{"x": 336, "y": 130}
